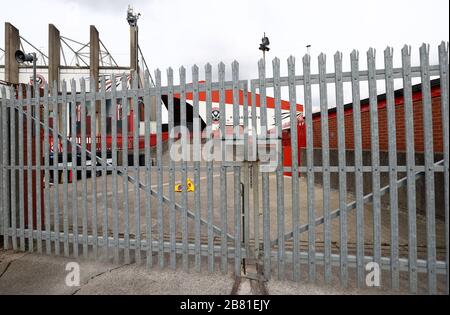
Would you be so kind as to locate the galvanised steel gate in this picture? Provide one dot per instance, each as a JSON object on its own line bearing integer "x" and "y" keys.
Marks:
{"x": 85, "y": 187}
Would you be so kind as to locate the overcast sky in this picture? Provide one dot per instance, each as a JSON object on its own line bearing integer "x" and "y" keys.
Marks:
{"x": 181, "y": 32}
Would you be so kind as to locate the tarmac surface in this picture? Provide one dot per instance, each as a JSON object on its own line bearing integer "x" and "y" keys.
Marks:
{"x": 26, "y": 273}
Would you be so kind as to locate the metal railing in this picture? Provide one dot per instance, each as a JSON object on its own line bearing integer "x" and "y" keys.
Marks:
{"x": 121, "y": 205}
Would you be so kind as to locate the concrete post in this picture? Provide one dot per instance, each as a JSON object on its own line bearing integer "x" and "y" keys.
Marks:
{"x": 12, "y": 43}
{"x": 54, "y": 56}
{"x": 94, "y": 53}
{"x": 133, "y": 48}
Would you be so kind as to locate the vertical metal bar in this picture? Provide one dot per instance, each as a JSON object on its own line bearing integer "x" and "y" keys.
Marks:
{"x": 254, "y": 122}
{"x": 6, "y": 109}
{"x": 29, "y": 173}
{"x": 343, "y": 238}
{"x": 237, "y": 171}
{"x": 14, "y": 169}
{"x": 410, "y": 161}
{"x": 223, "y": 171}
{"x": 103, "y": 115}
{"x": 429, "y": 168}
{"x": 443, "y": 66}
{"x": 246, "y": 205}
{"x": 209, "y": 166}
{"x": 255, "y": 173}
{"x": 73, "y": 144}
{"x": 172, "y": 213}
{"x": 137, "y": 202}
{"x": 125, "y": 168}
{"x": 184, "y": 224}
{"x": 38, "y": 162}
{"x": 295, "y": 195}
{"x": 93, "y": 88}
{"x": 114, "y": 171}
{"x": 375, "y": 157}
{"x": 55, "y": 153}
{"x": 65, "y": 170}
{"x": 325, "y": 166}
{"x": 83, "y": 164}
{"x": 48, "y": 244}
{"x": 280, "y": 170}
{"x": 310, "y": 165}
{"x": 160, "y": 169}
{"x": 393, "y": 191}
{"x": 360, "y": 271}
{"x": 21, "y": 171}
{"x": 265, "y": 175}
{"x": 196, "y": 156}
{"x": 148, "y": 213}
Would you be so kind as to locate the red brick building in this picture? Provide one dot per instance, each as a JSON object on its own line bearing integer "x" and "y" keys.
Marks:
{"x": 383, "y": 122}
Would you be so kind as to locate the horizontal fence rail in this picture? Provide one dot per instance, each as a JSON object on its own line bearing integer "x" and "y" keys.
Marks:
{"x": 220, "y": 175}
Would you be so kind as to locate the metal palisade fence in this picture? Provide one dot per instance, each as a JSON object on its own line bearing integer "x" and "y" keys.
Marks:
{"x": 195, "y": 174}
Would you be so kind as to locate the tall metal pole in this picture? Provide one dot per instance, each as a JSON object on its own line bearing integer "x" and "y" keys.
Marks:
{"x": 34, "y": 72}
{"x": 33, "y": 91}
{"x": 264, "y": 51}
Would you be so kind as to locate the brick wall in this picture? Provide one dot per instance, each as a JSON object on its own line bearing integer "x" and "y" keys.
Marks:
{"x": 383, "y": 126}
